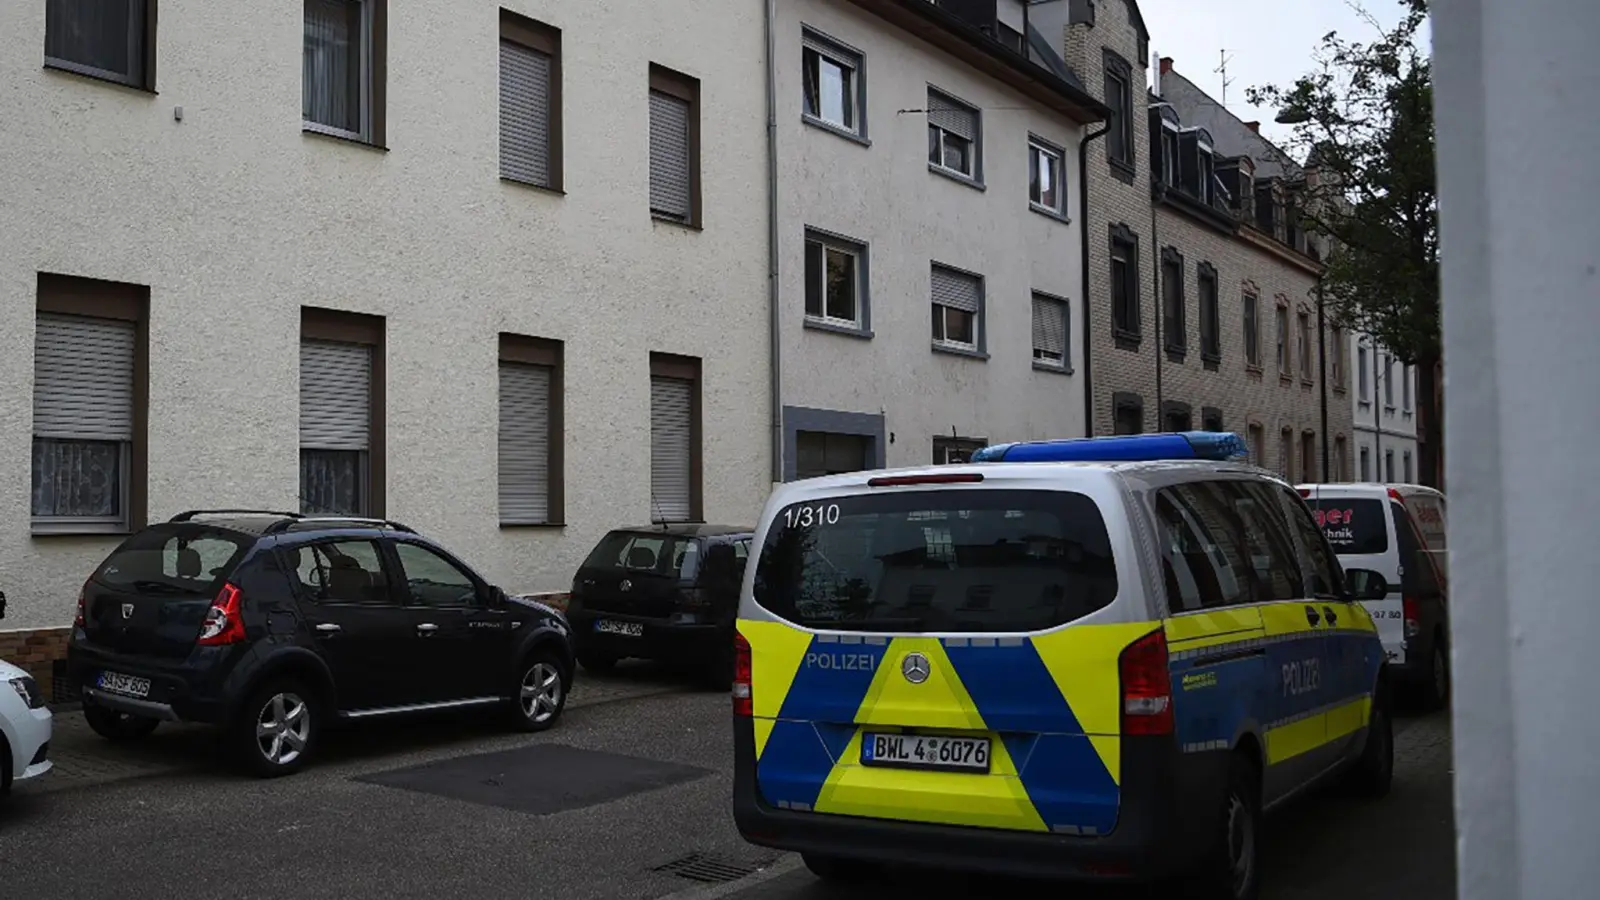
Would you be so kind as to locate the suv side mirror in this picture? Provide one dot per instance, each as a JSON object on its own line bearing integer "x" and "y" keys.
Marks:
{"x": 1366, "y": 584}
{"x": 497, "y": 597}
{"x": 2, "y": 604}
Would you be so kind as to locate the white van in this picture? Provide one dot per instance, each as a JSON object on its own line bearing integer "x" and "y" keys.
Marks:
{"x": 1398, "y": 531}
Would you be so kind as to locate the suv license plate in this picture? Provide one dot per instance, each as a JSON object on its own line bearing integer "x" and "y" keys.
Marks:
{"x": 123, "y": 684}
{"x": 923, "y": 751}
{"x": 626, "y": 629}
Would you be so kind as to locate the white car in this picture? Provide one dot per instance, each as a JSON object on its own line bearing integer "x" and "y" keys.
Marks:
{"x": 24, "y": 727}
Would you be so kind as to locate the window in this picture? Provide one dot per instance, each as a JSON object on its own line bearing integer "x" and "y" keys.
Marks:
{"x": 1206, "y": 562}
{"x": 1009, "y": 561}
{"x": 957, "y": 309}
{"x": 343, "y": 74}
{"x": 1252, "y": 330}
{"x": 1286, "y": 454}
{"x": 1388, "y": 465}
{"x": 1405, "y": 388}
{"x": 1169, "y": 154}
{"x": 953, "y": 145}
{"x": 1258, "y": 445}
{"x": 1405, "y": 460}
{"x": 675, "y": 439}
{"x": 1273, "y": 560}
{"x": 1337, "y": 364}
{"x": 1366, "y": 464}
{"x": 1309, "y": 469}
{"x": 1283, "y": 341}
{"x": 674, "y": 146}
{"x": 952, "y": 450}
{"x": 90, "y": 379}
{"x": 1341, "y": 460}
{"x": 1046, "y": 190}
{"x": 1388, "y": 381}
{"x": 836, "y": 281}
{"x": 820, "y": 453}
{"x": 1211, "y": 418}
{"x": 1321, "y": 568}
{"x": 1210, "y": 315}
{"x": 114, "y": 41}
{"x": 1362, "y": 387}
{"x": 835, "y": 94}
{"x": 530, "y": 439}
{"x": 1125, "y": 318}
{"x": 1176, "y": 416}
{"x": 1304, "y": 348}
{"x": 1127, "y": 413}
{"x": 1354, "y": 527}
{"x": 1051, "y": 328}
{"x": 341, "y": 413}
{"x": 188, "y": 556}
{"x": 340, "y": 572}
{"x": 530, "y": 101}
{"x": 1173, "y": 327}
{"x": 433, "y": 581}
{"x": 1119, "y": 96}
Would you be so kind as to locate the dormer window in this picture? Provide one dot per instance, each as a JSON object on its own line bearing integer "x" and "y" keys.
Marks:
{"x": 1207, "y": 165}
{"x": 1198, "y": 167}
{"x": 1169, "y": 154}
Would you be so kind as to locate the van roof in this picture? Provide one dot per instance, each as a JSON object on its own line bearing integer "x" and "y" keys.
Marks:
{"x": 1063, "y": 474}
{"x": 1367, "y": 488}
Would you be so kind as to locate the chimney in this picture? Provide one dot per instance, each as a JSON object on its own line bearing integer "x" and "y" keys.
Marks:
{"x": 1166, "y": 64}
{"x": 1253, "y": 126}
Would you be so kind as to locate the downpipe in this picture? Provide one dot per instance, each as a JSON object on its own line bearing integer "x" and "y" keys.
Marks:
{"x": 1083, "y": 302}
{"x": 774, "y": 316}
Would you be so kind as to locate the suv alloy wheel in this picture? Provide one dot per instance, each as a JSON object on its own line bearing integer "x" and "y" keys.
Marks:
{"x": 277, "y": 729}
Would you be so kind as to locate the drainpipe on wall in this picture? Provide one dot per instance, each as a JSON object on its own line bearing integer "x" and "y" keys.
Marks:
{"x": 1161, "y": 306}
{"x": 1083, "y": 231}
{"x": 774, "y": 316}
{"x": 1322, "y": 379}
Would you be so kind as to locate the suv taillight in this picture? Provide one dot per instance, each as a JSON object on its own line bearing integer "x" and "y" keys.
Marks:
{"x": 741, "y": 675}
{"x": 78, "y": 620}
{"x": 1146, "y": 686}
{"x": 224, "y": 623}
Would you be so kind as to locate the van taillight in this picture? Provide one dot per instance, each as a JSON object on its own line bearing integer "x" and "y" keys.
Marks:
{"x": 1146, "y": 686}
{"x": 1413, "y": 615}
{"x": 741, "y": 675}
{"x": 224, "y": 622}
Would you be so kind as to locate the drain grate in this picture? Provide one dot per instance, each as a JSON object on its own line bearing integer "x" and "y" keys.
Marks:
{"x": 710, "y": 868}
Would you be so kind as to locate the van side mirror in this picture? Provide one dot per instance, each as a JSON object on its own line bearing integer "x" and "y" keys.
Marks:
{"x": 1366, "y": 584}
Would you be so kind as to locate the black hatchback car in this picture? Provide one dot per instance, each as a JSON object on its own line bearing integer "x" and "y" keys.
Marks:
{"x": 274, "y": 625}
{"x": 663, "y": 592}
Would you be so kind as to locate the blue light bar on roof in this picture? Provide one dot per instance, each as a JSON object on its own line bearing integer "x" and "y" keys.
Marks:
{"x": 1216, "y": 446}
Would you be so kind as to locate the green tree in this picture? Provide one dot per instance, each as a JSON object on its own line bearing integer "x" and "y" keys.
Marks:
{"x": 1362, "y": 118}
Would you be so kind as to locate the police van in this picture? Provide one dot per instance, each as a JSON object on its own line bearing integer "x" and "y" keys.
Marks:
{"x": 1397, "y": 530}
{"x": 1095, "y": 659}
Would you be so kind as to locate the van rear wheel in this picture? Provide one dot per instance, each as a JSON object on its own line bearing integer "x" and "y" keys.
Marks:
{"x": 1436, "y": 683}
{"x": 1230, "y": 869}
{"x": 835, "y": 870}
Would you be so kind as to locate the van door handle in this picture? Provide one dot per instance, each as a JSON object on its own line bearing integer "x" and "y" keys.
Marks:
{"x": 1312, "y": 617}
{"x": 1330, "y": 615}
{"x": 327, "y": 628}
{"x": 427, "y": 628}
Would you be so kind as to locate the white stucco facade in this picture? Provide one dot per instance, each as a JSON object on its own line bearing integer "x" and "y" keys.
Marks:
{"x": 207, "y": 192}
{"x": 1384, "y": 403}
{"x": 883, "y": 383}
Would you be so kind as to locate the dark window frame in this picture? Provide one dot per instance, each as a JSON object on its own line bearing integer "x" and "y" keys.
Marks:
{"x": 687, "y": 368}
{"x": 1176, "y": 416}
{"x": 1174, "y": 305}
{"x": 1130, "y": 331}
{"x": 1065, "y": 365}
{"x": 686, "y": 88}
{"x": 548, "y": 353}
{"x": 374, "y": 131}
{"x": 944, "y": 445}
{"x": 322, "y": 324}
{"x": 1126, "y": 402}
{"x": 1250, "y": 316}
{"x": 142, "y": 45}
{"x": 1121, "y": 154}
{"x": 1210, "y": 314}
{"x": 544, "y": 38}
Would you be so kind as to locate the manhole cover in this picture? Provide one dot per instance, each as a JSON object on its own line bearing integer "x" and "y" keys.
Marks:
{"x": 711, "y": 868}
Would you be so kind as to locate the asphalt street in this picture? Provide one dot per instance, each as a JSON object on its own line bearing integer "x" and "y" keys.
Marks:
{"x": 496, "y": 815}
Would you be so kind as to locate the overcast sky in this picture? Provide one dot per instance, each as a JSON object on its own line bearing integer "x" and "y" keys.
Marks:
{"x": 1267, "y": 41}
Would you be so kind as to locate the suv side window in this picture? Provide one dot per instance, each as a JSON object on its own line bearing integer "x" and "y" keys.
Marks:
{"x": 340, "y": 572}
{"x": 432, "y": 580}
{"x": 1273, "y": 559}
{"x": 1321, "y": 565}
{"x": 1206, "y": 563}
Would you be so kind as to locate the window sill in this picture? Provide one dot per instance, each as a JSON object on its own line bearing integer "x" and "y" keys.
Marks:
{"x": 1285, "y": 379}
{"x": 1177, "y": 354}
{"x": 837, "y": 130}
{"x": 953, "y": 350}
{"x": 1052, "y": 368}
{"x": 1365, "y": 404}
{"x": 1211, "y": 361}
{"x": 69, "y": 528}
{"x": 1049, "y": 213}
{"x": 67, "y": 68}
{"x": 314, "y": 130}
{"x": 532, "y": 526}
{"x": 1126, "y": 340}
{"x": 1307, "y": 382}
{"x": 1339, "y": 389}
{"x": 533, "y": 186}
{"x": 1121, "y": 170}
{"x": 957, "y": 177}
{"x": 837, "y": 328}
{"x": 665, "y": 219}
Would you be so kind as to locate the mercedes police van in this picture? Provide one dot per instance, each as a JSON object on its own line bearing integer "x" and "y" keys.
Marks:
{"x": 1095, "y": 659}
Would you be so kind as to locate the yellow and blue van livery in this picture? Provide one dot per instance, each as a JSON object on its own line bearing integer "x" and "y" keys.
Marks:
{"x": 1101, "y": 661}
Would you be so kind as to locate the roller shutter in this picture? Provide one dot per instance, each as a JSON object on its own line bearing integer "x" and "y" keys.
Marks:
{"x": 524, "y": 444}
{"x": 83, "y": 378}
{"x": 671, "y": 448}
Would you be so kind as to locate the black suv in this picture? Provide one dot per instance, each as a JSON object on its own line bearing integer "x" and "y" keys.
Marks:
{"x": 667, "y": 592}
{"x": 273, "y": 625}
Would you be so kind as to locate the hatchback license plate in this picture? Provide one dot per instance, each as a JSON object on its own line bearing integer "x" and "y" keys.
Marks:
{"x": 128, "y": 685}
{"x": 626, "y": 629}
{"x": 923, "y": 751}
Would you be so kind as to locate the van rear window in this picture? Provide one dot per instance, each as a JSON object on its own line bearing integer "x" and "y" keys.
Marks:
{"x": 1354, "y": 527}
{"x": 950, "y": 561}
{"x": 175, "y": 559}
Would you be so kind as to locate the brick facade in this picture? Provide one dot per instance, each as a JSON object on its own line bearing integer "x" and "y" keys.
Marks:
{"x": 1138, "y": 371}
{"x": 36, "y": 652}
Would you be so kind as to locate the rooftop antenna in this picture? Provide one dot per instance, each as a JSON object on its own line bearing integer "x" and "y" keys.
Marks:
{"x": 1223, "y": 71}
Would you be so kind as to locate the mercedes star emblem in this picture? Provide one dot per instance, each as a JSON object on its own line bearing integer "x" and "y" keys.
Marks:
{"x": 915, "y": 668}
{"x": 127, "y": 610}
{"x": 626, "y": 585}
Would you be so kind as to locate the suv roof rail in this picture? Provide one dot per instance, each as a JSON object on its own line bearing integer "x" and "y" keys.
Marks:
{"x": 288, "y": 523}
{"x": 190, "y": 514}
